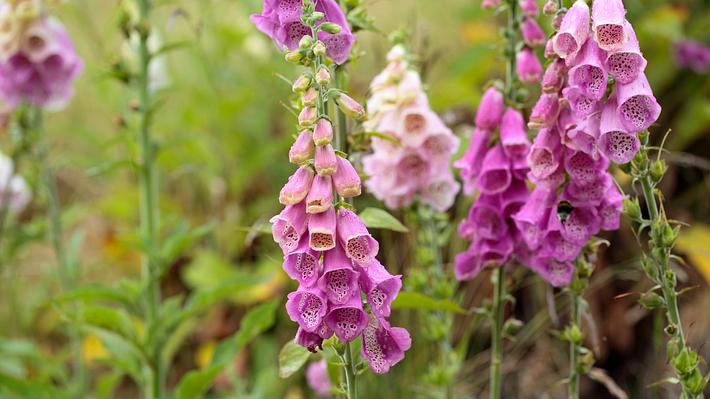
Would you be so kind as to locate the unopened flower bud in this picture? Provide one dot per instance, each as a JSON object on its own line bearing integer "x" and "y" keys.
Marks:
{"x": 326, "y": 162}
{"x": 670, "y": 235}
{"x": 351, "y": 107}
{"x": 302, "y": 148}
{"x": 301, "y": 84}
{"x": 310, "y": 97}
{"x": 317, "y": 16}
{"x": 305, "y": 42}
{"x": 331, "y": 28}
{"x": 643, "y": 137}
{"x": 307, "y": 117}
{"x": 649, "y": 268}
{"x": 550, "y": 7}
{"x": 512, "y": 326}
{"x": 319, "y": 48}
{"x": 657, "y": 170}
{"x": 294, "y": 56}
{"x": 640, "y": 160}
{"x": 323, "y": 76}
{"x": 557, "y": 20}
{"x": 695, "y": 382}
{"x": 323, "y": 132}
{"x": 632, "y": 209}
{"x": 651, "y": 300}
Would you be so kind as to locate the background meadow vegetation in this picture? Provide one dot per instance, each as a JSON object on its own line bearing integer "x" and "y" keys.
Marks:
{"x": 224, "y": 134}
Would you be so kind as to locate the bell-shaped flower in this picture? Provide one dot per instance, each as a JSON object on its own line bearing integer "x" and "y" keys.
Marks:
{"x": 588, "y": 72}
{"x": 626, "y": 63}
{"x": 289, "y": 226}
{"x": 545, "y": 112}
{"x": 486, "y": 214}
{"x": 637, "y": 107}
{"x": 383, "y": 346}
{"x": 380, "y": 288}
{"x": 546, "y": 153}
{"x": 554, "y": 77}
{"x": 573, "y": 31}
{"x": 533, "y": 36}
{"x": 495, "y": 174}
{"x": 346, "y": 180}
{"x": 528, "y": 66}
{"x": 354, "y": 237}
{"x": 584, "y": 136}
{"x": 320, "y": 197}
{"x": 347, "y": 320}
{"x": 614, "y": 141}
{"x": 608, "y": 23}
{"x": 339, "y": 280}
{"x": 326, "y": 162}
{"x": 307, "y": 307}
{"x": 471, "y": 163}
{"x": 303, "y": 264}
{"x": 297, "y": 186}
{"x": 302, "y": 148}
{"x": 581, "y": 104}
{"x": 321, "y": 230}
{"x": 490, "y": 111}
{"x": 531, "y": 219}
{"x": 513, "y": 136}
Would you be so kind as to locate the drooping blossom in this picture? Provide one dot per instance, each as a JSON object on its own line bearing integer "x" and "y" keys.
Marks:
{"x": 38, "y": 62}
{"x": 318, "y": 379}
{"x": 327, "y": 248}
{"x": 575, "y": 197}
{"x": 412, "y": 162}
{"x": 14, "y": 192}
{"x": 281, "y": 21}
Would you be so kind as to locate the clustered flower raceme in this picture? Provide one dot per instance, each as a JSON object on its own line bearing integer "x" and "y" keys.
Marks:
{"x": 581, "y": 130}
{"x": 281, "y": 20}
{"x": 527, "y": 65}
{"x": 327, "y": 248}
{"x": 414, "y": 163}
{"x": 38, "y": 62}
{"x": 496, "y": 169}
{"x": 14, "y": 192}
{"x": 690, "y": 54}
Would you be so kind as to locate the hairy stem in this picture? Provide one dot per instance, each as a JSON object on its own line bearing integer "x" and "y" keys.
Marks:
{"x": 498, "y": 280}
{"x": 574, "y": 347}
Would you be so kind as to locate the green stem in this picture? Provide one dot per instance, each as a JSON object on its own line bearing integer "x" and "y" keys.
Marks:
{"x": 350, "y": 373}
{"x": 149, "y": 205}
{"x": 574, "y": 348}
{"x": 497, "y": 332}
{"x": 512, "y": 44}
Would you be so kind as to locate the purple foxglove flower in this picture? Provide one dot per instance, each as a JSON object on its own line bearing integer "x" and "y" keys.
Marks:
{"x": 326, "y": 162}
{"x": 380, "y": 288}
{"x": 588, "y": 73}
{"x": 323, "y": 76}
{"x": 520, "y": 168}
{"x": 412, "y": 166}
{"x": 554, "y": 244}
{"x": 580, "y": 225}
{"x": 545, "y": 112}
{"x": 514, "y": 197}
{"x": 281, "y": 20}
{"x": 614, "y": 141}
{"x": 532, "y": 218}
{"x": 486, "y": 215}
{"x": 550, "y": 53}
{"x": 318, "y": 379}
{"x": 610, "y": 209}
{"x": 529, "y": 8}
{"x": 354, "y": 237}
{"x": 288, "y": 226}
{"x": 566, "y": 120}
{"x": 297, "y": 187}
{"x": 302, "y": 148}
{"x": 42, "y": 69}
{"x": 550, "y": 182}
{"x": 350, "y": 107}
{"x": 496, "y": 253}
{"x": 528, "y": 66}
{"x": 637, "y": 107}
{"x": 533, "y": 36}
{"x": 440, "y": 194}
{"x": 384, "y": 346}
{"x": 440, "y": 146}
{"x": 309, "y": 340}
{"x": 468, "y": 264}
{"x": 583, "y": 137}
{"x": 472, "y": 161}
{"x": 626, "y": 63}
{"x": 590, "y": 194}
{"x": 13, "y": 188}
{"x": 301, "y": 84}
{"x": 417, "y": 121}
{"x": 546, "y": 153}
{"x": 573, "y": 31}
{"x": 310, "y": 97}
{"x": 550, "y": 7}
{"x": 582, "y": 105}
{"x": 323, "y": 132}
{"x": 321, "y": 230}
{"x": 339, "y": 280}
{"x": 320, "y": 197}
{"x": 554, "y": 77}
{"x": 490, "y": 111}
{"x": 495, "y": 173}
{"x": 693, "y": 55}
{"x": 490, "y": 4}
{"x": 307, "y": 307}
{"x": 513, "y": 136}
{"x": 347, "y": 320}
{"x": 307, "y": 117}
{"x": 303, "y": 264}
{"x": 558, "y": 274}
{"x": 346, "y": 180}
{"x": 608, "y": 20}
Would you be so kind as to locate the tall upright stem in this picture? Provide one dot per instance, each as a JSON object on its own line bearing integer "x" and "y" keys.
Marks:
{"x": 574, "y": 348}
{"x": 149, "y": 205}
{"x": 497, "y": 332}
{"x": 350, "y": 373}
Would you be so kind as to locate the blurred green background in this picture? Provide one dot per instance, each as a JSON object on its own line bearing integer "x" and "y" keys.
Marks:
{"x": 224, "y": 138}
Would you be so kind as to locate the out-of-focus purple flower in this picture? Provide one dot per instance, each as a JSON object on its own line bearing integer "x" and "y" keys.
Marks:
{"x": 472, "y": 161}
{"x": 532, "y": 34}
{"x": 13, "y": 188}
{"x": 490, "y": 110}
{"x": 281, "y": 20}
{"x": 42, "y": 69}
{"x": 545, "y": 111}
{"x": 528, "y": 66}
{"x": 529, "y": 8}
{"x": 318, "y": 379}
{"x": 692, "y": 55}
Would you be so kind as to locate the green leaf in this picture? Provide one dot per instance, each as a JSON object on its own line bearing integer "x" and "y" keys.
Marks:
{"x": 376, "y": 218}
{"x": 291, "y": 358}
{"x": 96, "y": 293}
{"x": 415, "y": 300}
{"x": 24, "y": 388}
{"x": 258, "y": 320}
{"x": 180, "y": 240}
